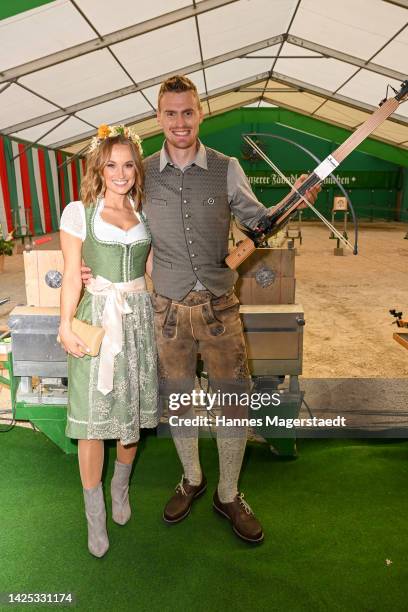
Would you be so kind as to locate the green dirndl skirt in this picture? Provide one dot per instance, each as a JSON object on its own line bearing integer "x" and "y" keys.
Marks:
{"x": 134, "y": 400}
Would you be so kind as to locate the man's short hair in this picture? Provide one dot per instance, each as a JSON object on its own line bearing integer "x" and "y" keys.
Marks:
{"x": 178, "y": 84}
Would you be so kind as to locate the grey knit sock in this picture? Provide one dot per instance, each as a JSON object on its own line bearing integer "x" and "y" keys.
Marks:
{"x": 186, "y": 441}
{"x": 231, "y": 442}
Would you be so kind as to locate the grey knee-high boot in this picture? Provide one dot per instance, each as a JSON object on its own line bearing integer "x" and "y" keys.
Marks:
{"x": 98, "y": 542}
{"x": 120, "y": 493}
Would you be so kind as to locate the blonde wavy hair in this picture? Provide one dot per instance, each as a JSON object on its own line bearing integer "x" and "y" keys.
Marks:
{"x": 93, "y": 183}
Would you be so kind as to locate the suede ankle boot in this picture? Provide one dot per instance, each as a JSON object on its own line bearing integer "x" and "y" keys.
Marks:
{"x": 98, "y": 542}
{"x": 120, "y": 493}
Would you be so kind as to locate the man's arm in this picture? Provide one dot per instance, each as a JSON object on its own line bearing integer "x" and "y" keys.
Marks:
{"x": 149, "y": 263}
{"x": 244, "y": 204}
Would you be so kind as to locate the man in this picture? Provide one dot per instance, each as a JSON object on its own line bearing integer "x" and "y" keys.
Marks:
{"x": 190, "y": 192}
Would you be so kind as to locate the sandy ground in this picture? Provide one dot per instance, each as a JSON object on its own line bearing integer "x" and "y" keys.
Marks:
{"x": 346, "y": 300}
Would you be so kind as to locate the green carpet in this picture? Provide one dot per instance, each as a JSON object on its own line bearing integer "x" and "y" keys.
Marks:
{"x": 331, "y": 518}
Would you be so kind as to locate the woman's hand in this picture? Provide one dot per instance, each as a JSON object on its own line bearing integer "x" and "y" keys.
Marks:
{"x": 71, "y": 343}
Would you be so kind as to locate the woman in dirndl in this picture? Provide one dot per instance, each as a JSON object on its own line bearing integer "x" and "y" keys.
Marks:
{"x": 114, "y": 394}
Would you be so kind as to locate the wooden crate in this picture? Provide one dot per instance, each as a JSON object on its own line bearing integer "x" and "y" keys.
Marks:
{"x": 43, "y": 274}
{"x": 267, "y": 277}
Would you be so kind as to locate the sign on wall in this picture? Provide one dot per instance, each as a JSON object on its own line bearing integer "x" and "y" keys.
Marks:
{"x": 351, "y": 180}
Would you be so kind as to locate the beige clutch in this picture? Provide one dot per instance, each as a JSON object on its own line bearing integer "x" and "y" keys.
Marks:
{"x": 91, "y": 335}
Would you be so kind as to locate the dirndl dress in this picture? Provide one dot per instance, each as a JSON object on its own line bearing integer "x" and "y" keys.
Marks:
{"x": 132, "y": 403}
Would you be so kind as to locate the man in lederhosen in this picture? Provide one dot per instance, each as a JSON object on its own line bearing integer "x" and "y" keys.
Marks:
{"x": 190, "y": 193}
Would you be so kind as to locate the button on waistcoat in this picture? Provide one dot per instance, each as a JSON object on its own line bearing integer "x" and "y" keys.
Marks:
{"x": 189, "y": 218}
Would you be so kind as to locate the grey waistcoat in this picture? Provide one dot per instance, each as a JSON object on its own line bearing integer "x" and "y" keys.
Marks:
{"x": 189, "y": 218}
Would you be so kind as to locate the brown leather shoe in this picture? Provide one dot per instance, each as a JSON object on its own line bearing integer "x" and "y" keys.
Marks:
{"x": 179, "y": 506}
{"x": 242, "y": 518}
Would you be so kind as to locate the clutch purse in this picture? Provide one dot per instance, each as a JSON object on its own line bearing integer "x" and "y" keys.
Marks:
{"x": 91, "y": 335}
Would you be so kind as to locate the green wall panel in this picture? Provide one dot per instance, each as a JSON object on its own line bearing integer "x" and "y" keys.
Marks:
{"x": 8, "y": 8}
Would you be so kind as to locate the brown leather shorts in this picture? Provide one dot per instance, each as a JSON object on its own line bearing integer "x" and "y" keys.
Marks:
{"x": 206, "y": 325}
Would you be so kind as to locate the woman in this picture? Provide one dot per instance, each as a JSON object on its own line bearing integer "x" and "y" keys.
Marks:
{"x": 112, "y": 395}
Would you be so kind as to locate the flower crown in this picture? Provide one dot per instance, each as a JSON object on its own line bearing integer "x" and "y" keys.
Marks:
{"x": 108, "y": 131}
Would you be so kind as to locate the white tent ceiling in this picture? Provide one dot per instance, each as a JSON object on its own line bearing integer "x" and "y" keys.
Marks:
{"x": 70, "y": 65}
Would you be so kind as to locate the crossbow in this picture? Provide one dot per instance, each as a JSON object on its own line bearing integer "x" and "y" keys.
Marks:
{"x": 274, "y": 220}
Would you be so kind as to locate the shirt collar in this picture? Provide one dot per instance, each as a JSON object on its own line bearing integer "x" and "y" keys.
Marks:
{"x": 199, "y": 160}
